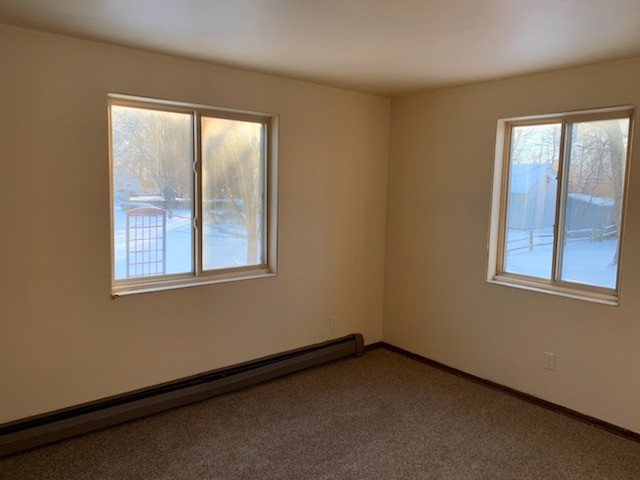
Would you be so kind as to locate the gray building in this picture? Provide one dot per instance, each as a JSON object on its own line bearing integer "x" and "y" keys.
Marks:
{"x": 532, "y": 192}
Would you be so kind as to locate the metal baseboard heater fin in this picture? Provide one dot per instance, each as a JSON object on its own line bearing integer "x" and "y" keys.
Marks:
{"x": 60, "y": 424}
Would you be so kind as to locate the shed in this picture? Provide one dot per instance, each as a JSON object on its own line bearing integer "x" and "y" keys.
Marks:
{"x": 585, "y": 211}
{"x": 532, "y": 192}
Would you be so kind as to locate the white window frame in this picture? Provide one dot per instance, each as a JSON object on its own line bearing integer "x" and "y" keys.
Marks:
{"x": 199, "y": 276}
{"x": 497, "y": 227}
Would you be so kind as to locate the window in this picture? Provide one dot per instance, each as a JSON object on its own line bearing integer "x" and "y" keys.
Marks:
{"x": 558, "y": 203}
{"x": 193, "y": 194}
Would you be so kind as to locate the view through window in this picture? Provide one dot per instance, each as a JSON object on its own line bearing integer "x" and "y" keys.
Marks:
{"x": 563, "y": 200}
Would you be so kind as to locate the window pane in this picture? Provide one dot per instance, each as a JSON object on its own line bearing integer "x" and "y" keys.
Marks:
{"x": 153, "y": 206}
{"x": 596, "y": 169}
{"x": 233, "y": 193}
{"x": 531, "y": 202}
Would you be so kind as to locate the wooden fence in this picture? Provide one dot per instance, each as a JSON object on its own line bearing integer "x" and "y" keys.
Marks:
{"x": 594, "y": 234}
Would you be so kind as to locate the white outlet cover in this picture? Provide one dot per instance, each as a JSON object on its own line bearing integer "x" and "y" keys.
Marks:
{"x": 549, "y": 361}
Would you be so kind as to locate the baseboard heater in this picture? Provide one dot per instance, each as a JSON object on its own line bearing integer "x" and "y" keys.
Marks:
{"x": 49, "y": 427}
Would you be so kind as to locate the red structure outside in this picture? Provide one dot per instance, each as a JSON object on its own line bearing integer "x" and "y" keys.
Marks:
{"x": 146, "y": 245}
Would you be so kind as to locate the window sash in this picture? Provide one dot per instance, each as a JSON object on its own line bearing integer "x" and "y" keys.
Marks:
{"x": 198, "y": 275}
{"x": 199, "y": 182}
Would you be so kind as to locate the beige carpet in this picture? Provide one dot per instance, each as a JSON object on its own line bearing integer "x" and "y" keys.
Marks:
{"x": 380, "y": 416}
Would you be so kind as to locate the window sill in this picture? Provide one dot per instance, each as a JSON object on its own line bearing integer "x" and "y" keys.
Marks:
{"x": 560, "y": 290}
{"x": 189, "y": 280}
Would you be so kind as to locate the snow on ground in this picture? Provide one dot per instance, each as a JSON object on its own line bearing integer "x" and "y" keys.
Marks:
{"x": 584, "y": 262}
{"x": 225, "y": 245}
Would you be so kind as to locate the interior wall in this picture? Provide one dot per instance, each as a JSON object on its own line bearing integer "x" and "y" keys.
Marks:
{"x": 437, "y": 302}
{"x": 63, "y": 339}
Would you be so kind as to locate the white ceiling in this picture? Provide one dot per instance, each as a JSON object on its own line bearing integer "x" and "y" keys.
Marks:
{"x": 387, "y": 47}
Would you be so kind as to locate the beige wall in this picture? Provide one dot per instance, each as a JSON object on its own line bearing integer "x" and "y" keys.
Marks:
{"x": 63, "y": 340}
{"x": 437, "y": 302}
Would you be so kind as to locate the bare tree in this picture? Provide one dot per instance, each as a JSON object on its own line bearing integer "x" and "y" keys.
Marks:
{"x": 617, "y": 154}
{"x": 233, "y": 178}
{"x": 154, "y": 147}
{"x": 535, "y": 144}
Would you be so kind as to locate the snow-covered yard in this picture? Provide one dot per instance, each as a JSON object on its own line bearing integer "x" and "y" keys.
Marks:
{"x": 225, "y": 245}
{"x": 584, "y": 261}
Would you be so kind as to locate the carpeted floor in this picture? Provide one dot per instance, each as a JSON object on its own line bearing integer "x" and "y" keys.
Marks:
{"x": 380, "y": 416}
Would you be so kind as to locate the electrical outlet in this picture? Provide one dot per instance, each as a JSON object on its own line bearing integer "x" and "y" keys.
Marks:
{"x": 549, "y": 361}
{"x": 332, "y": 322}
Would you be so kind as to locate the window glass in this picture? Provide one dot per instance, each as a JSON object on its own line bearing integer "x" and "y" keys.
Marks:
{"x": 595, "y": 182}
{"x": 233, "y": 192}
{"x": 152, "y": 192}
{"x": 531, "y": 202}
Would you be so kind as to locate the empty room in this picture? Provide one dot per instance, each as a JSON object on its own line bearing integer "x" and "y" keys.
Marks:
{"x": 320, "y": 239}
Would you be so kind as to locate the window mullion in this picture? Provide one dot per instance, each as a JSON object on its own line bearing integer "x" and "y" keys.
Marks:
{"x": 561, "y": 202}
{"x": 197, "y": 194}
{"x": 266, "y": 198}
